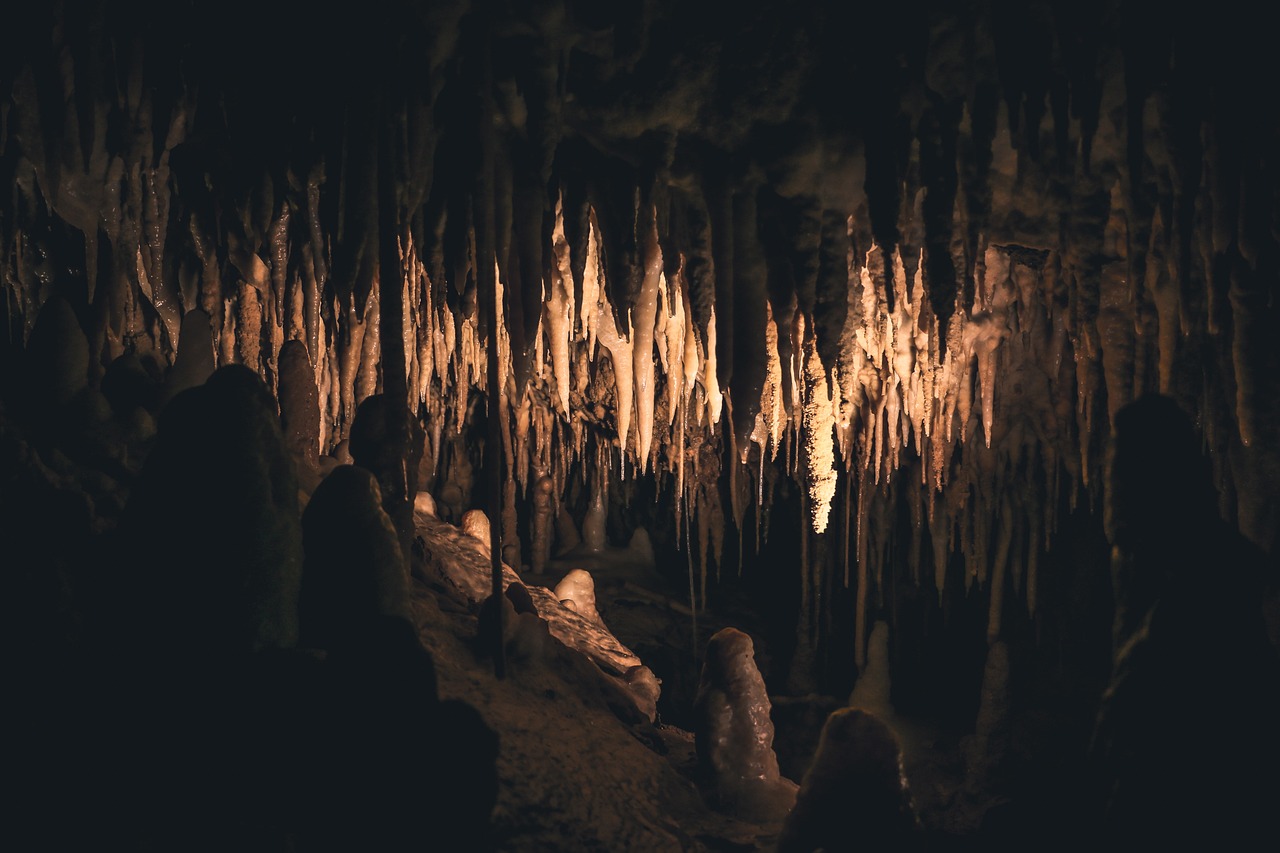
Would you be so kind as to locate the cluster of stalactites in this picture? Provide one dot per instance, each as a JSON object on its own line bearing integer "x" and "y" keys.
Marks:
{"x": 649, "y": 401}
{"x": 618, "y": 405}
{"x": 1073, "y": 293}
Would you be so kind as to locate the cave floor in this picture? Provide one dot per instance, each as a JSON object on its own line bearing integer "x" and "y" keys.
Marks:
{"x": 579, "y": 772}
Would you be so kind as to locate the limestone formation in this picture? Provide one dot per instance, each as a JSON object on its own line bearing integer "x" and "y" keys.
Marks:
{"x": 734, "y": 734}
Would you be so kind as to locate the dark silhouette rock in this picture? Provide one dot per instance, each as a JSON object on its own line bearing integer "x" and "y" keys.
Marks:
{"x": 300, "y": 410}
{"x": 128, "y": 385}
{"x": 354, "y": 572}
{"x": 57, "y": 357}
{"x": 520, "y": 598}
{"x": 194, "y": 362}
{"x": 1190, "y": 711}
{"x": 372, "y": 449}
{"x": 854, "y": 795}
{"x": 211, "y": 539}
{"x": 388, "y": 763}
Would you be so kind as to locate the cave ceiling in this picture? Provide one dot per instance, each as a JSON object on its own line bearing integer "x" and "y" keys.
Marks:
{"x": 912, "y": 254}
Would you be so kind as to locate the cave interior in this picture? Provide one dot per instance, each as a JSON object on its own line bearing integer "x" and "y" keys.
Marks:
{"x": 814, "y": 320}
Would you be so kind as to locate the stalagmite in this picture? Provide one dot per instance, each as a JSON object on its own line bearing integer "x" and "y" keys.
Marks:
{"x": 577, "y": 591}
{"x": 476, "y": 525}
{"x": 543, "y": 508}
{"x": 734, "y": 734}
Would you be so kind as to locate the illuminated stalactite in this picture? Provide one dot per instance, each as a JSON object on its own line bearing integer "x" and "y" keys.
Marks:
{"x": 818, "y": 424}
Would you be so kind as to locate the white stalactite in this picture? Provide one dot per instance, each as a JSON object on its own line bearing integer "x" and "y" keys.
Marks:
{"x": 643, "y": 321}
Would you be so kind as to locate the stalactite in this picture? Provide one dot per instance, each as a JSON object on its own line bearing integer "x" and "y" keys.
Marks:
{"x": 708, "y": 372}
{"x": 227, "y": 340}
{"x": 989, "y": 327}
{"x": 349, "y": 360}
{"x": 330, "y": 391}
{"x": 367, "y": 378}
{"x": 643, "y": 323}
{"x": 425, "y": 334}
{"x": 1164, "y": 295}
{"x": 621, "y": 354}
{"x": 470, "y": 361}
{"x": 592, "y": 292}
{"x": 445, "y": 345}
{"x": 767, "y": 434}
{"x": 295, "y": 324}
{"x": 1116, "y": 308}
{"x": 681, "y": 349}
{"x": 559, "y": 311}
{"x": 818, "y": 426}
{"x": 877, "y": 443}
{"x": 964, "y": 397}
